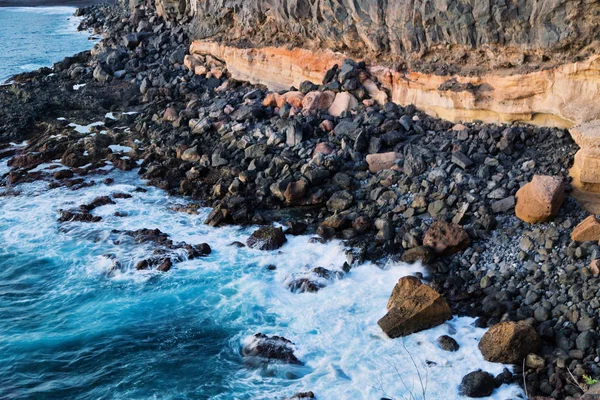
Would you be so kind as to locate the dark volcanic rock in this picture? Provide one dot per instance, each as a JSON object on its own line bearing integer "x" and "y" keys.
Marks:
{"x": 270, "y": 348}
{"x": 267, "y": 238}
{"x": 477, "y": 384}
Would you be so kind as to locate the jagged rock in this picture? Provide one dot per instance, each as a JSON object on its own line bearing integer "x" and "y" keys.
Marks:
{"x": 266, "y": 238}
{"x": 445, "y": 238}
{"x": 509, "y": 342}
{"x": 270, "y": 348}
{"x": 587, "y": 231}
{"x": 413, "y": 307}
{"x": 477, "y": 384}
{"x": 541, "y": 199}
{"x": 170, "y": 114}
{"x": 382, "y": 161}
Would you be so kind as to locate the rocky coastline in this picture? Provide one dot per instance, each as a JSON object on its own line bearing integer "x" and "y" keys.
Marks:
{"x": 390, "y": 181}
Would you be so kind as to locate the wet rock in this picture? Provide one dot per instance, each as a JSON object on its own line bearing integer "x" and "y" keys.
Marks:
{"x": 509, "y": 342}
{"x": 423, "y": 254}
{"x": 303, "y": 395}
{"x": 97, "y": 202}
{"x": 267, "y": 238}
{"x": 269, "y": 348}
{"x": 541, "y": 199}
{"x": 413, "y": 307}
{"x": 477, "y": 384}
{"x": 445, "y": 238}
{"x": 304, "y": 285}
{"x": 73, "y": 216}
{"x": 448, "y": 343}
{"x": 63, "y": 174}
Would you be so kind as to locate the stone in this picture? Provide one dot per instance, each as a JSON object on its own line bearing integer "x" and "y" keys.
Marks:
{"x": 375, "y": 93}
{"x": 413, "y": 307}
{"x": 294, "y": 133}
{"x": 477, "y": 384}
{"x": 266, "y": 238}
{"x": 255, "y": 150}
{"x": 295, "y": 192}
{"x": 381, "y": 161}
{"x": 586, "y": 166}
{"x": 326, "y": 126}
{"x": 588, "y": 230}
{"x": 317, "y": 101}
{"x": 448, "y": 343}
{"x": 294, "y": 99}
{"x": 424, "y": 254}
{"x": 446, "y": 238}
{"x": 170, "y": 114}
{"x": 509, "y": 342}
{"x": 340, "y": 201}
{"x": 504, "y": 205}
{"x": 322, "y": 148}
{"x": 191, "y": 155}
{"x": 270, "y": 348}
{"x": 461, "y": 160}
{"x": 343, "y": 102}
{"x": 540, "y": 200}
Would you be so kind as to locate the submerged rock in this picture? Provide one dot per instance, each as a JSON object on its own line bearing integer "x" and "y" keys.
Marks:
{"x": 269, "y": 348}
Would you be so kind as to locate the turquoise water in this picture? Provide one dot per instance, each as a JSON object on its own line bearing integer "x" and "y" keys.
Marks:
{"x": 32, "y": 38}
{"x": 72, "y": 329}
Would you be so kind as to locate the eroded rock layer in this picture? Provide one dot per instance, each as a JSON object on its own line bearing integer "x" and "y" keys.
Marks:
{"x": 559, "y": 96}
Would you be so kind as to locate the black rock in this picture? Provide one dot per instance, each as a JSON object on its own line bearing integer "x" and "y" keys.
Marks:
{"x": 477, "y": 384}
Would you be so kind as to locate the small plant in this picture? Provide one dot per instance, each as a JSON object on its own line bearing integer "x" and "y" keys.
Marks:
{"x": 588, "y": 380}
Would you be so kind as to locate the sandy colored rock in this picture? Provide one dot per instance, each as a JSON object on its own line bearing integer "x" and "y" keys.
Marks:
{"x": 379, "y": 162}
{"x": 588, "y": 230}
{"x": 294, "y": 99}
{"x": 413, "y": 307}
{"x": 541, "y": 199}
{"x": 170, "y": 114}
{"x": 295, "y": 192}
{"x": 375, "y": 93}
{"x": 317, "y": 101}
{"x": 343, "y": 102}
{"x": 445, "y": 238}
{"x": 509, "y": 342}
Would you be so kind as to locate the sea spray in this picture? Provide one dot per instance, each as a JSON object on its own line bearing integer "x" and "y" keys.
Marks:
{"x": 71, "y": 329}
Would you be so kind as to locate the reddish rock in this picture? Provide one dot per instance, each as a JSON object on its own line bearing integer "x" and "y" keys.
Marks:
{"x": 170, "y": 115}
{"x": 509, "y": 342}
{"x": 317, "y": 101}
{"x": 587, "y": 231}
{"x": 343, "y": 102}
{"x": 381, "y": 161}
{"x": 595, "y": 267}
{"x": 322, "y": 148}
{"x": 541, "y": 199}
{"x": 445, "y": 238}
{"x": 294, "y": 99}
{"x": 413, "y": 307}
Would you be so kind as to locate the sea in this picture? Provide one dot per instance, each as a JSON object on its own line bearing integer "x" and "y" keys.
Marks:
{"x": 73, "y": 327}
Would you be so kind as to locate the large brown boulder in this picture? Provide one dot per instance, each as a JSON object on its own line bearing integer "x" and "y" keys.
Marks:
{"x": 587, "y": 231}
{"x": 413, "y": 307}
{"x": 540, "y": 199}
{"x": 445, "y": 238}
{"x": 267, "y": 238}
{"x": 509, "y": 342}
{"x": 380, "y": 161}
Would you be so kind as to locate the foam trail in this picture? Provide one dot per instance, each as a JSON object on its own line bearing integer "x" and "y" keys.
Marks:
{"x": 71, "y": 329}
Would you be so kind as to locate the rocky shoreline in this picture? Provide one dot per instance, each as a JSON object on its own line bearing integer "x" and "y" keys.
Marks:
{"x": 390, "y": 181}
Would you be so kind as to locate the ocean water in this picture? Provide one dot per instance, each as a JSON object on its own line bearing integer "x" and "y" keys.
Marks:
{"x": 35, "y": 37}
{"x": 70, "y": 329}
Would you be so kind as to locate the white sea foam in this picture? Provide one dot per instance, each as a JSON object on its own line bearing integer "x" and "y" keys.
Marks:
{"x": 117, "y": 148}
{"x": 345, "y": 353}
{"x": 85, "y": 128}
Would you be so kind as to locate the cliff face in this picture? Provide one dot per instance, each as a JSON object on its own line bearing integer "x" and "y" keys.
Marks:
{"x": 503, "y": 33}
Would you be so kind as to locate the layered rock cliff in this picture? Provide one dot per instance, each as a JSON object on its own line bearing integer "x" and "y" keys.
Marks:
{"x": 441, "y": 36}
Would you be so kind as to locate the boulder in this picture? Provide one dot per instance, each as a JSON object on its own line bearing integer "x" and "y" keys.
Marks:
{"x": 413, "y": 307}
{"x": 509, "y": 342}
{"x": 295, "y": 191}
{"x": 340, "y": 201}
{"x": 477, "y": 384}
{"x": 191, "y": 155}
{"x": 317, "y": 101}
{"x": 170, "y": 115}
{"x": 374, "y": 92}
{"x": 541, "y": 199}
{"x": 294, "y": 99}
{"x": 587, "y": 231}
{"x": 343, "y": 102}
{"x": 266, "y": 348}
{"x": 267, "y": 238}
{"x": 381, "y": 161}
{"x": 446, "y": 238}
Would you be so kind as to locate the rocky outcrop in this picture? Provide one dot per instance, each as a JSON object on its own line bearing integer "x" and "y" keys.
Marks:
{"x": 413, "y": 307}
{"x": 267, "y": 238}
{"x": 557, "y": 96}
